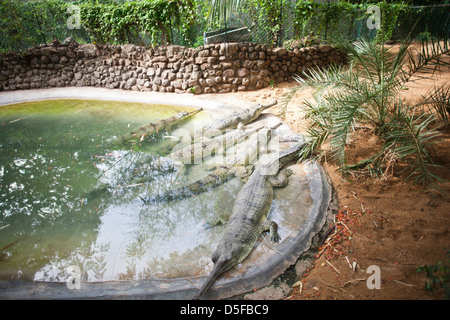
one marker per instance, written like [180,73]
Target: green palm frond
[407,133]
[320,78]
[428,58]
[344,120]
[317,78]
[438,101]
[319,129]
[368,57]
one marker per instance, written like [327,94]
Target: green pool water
[56,159]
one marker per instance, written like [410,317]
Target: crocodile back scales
[254,201]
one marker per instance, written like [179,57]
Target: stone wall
[215,68]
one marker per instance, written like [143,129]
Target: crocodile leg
[281,179]
[220,219]
[272,227]
[243,172]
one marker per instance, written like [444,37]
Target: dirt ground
[382,222]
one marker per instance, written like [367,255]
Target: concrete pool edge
[94,93]
[179,288]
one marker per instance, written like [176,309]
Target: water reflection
[60,206]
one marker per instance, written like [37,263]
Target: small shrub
[438,276]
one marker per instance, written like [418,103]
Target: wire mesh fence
[279,24]
[423,22]
[23,25]
[283,26]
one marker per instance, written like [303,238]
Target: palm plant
[439,101]
[367,92]
[408,135]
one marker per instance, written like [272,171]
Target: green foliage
[408,135]
[336,19]
[112,23]
[31,22]
[24,24]
[323,17]
[308,41]
[424,36]
[267,18]
[389,19]
[438,100]
[366,93]
[438,275]
[221,10]
[272,83]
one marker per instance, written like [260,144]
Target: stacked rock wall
[214,68]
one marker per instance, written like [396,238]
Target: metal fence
[280,26]
[247,24]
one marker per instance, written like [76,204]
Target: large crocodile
[232,166]
[236,119]
[249,216]
[206,147]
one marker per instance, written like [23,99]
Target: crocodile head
[224,258]
[260,108]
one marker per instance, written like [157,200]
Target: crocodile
[152,128]
[207,147]
[236,119]
[235,165]
[176,161]
[198,152]
[249,216]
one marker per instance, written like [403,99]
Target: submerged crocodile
[234,165]
[152,128]
[249,216]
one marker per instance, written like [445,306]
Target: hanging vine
[115,23]
[24,24]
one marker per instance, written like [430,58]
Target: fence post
[326,21]
[280,29]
